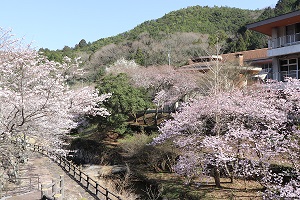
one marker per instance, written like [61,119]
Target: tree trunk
[135,117]
[229,174]
[217,177]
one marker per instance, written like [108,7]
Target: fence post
[97,188]
[42,191]
[45,190]
[87,182]
[38,178]
[61,185]
[54,187]
[80,176]
[60,160]
[74,173]
[106,193]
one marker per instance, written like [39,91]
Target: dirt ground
[47,170]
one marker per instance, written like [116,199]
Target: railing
[27,184]
[284,41]
[280,76]
[285,74]
[94,188]
[54,190]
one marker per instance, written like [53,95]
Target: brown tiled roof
[252,55]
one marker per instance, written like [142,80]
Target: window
[293,33]
[289,68]
[267,70]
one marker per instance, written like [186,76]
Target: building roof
[201,63]
[248,56]
[266,26]
[257,56]
[199,66]
[206,58]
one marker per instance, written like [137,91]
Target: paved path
[35,195]
[46,169]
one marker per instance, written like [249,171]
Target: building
[253,62]
[283,44]
[201,63]
[261,64]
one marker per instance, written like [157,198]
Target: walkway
[46,169]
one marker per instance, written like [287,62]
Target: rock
[117,169]
[105,170]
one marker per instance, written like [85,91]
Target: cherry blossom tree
[166,84]
[255,129]
[35,100]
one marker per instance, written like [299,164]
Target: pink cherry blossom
[241,132]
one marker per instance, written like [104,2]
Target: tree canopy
[241,133]
[126,101]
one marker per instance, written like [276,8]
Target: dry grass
[172,187]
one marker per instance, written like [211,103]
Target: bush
[158,158]
[134,144]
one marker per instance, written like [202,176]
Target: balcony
[283,41]
[284,45]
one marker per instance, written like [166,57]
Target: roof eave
[265,26]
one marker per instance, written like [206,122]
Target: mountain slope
[177,36]
[197,19]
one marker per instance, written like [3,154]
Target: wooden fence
[92,186]
[26,184]
[54,190]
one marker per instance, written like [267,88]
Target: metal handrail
[283,41]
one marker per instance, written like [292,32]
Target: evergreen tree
[285,6]
[139,57]
[124,103]
[82,43]
[267,13]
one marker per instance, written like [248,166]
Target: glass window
[297,28]
[289,68]
[284,68]
[283,62]
[290,30]
[292,61]
[292,67]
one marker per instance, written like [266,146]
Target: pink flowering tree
[35,101]
[35,98]
[166,84]
[240,134]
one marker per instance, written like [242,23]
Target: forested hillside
[176,36]
[221,139]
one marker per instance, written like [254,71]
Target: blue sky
[54,24]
